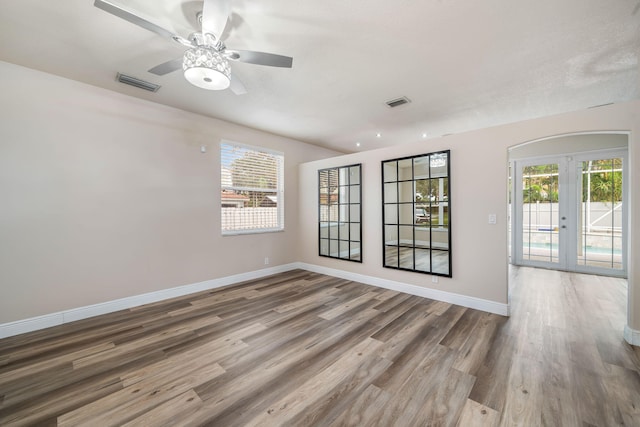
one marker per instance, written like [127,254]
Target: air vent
[132,81]
[601,105]
[398,102]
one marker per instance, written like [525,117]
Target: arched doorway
[567,203]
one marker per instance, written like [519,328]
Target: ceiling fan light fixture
[206,68]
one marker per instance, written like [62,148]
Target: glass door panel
[600,214]
[540,213]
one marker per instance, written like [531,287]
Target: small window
[252,190]
[340,213]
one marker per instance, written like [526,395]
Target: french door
[569,212]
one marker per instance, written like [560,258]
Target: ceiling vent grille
[601,105]
[398,102]
[132,81]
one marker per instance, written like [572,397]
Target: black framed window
[340,213]
[417,213]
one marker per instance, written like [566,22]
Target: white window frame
[279,190]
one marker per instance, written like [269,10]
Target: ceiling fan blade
[167,67]
[260,58]
[127,15]
[237,86]
[214,16]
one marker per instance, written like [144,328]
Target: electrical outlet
[266,260]
[492,219]
[434,279]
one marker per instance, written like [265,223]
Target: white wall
[479,162]
[104,196]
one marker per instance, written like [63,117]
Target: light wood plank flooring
[304,349]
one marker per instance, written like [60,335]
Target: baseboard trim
[632,336]
[74,314]
[55,319]
[457,299]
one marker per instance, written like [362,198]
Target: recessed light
[424,135]
[378,135]
[357,144]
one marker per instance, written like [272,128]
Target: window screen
[252,190]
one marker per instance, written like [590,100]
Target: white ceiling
[464,64]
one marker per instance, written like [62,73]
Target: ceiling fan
[206,61]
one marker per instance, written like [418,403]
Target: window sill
[257,231]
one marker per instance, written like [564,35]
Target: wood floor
[305,349]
